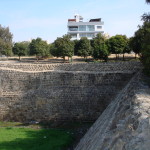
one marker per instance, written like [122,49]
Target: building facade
[78,29]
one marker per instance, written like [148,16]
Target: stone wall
[28,92]
[125,124]
[113,66]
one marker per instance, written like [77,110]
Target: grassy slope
[33,139]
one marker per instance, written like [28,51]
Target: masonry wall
[35,94]
[100,67]
[125,124]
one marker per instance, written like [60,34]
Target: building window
[82,35]
[99,27]
[82,28]
[73,28]
[90,27]
[90,35]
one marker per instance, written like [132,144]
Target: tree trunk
[64,59]
[71,60]
[68,58]
[19,58]
[123,57]
[106,59]
[135,55]
[86,58]
[37,58]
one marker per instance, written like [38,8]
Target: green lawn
[33,139]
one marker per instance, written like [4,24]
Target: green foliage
[63,47]
[100,48]
[21,49]
[85,48]
[137,40]
[5,41]
[39,48]
[127,48]
[76,47]
[117,44]
[33,139]
[54,51]
[140,44]
[145,54]
[146,17]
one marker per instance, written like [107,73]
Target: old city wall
[60,92]
[100,67]
[125,123]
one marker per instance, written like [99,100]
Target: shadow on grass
[33,139]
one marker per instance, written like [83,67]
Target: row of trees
[98,48]
[36,47]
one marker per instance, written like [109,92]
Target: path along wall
[55,92]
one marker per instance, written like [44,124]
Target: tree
[127,48]
[21,48]
[5,41]
[39,48]
[84,47]
[100,48]
[117,44]
[54,51]
[146,17]
[141,43]
[135,44]
[76,47]
[63,47]
[145,52]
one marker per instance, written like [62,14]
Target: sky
[47,19]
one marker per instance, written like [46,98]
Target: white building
[77,28]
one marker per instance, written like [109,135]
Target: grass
[41,136]
[33,139]
[9,124]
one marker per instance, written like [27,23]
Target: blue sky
[28,19]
